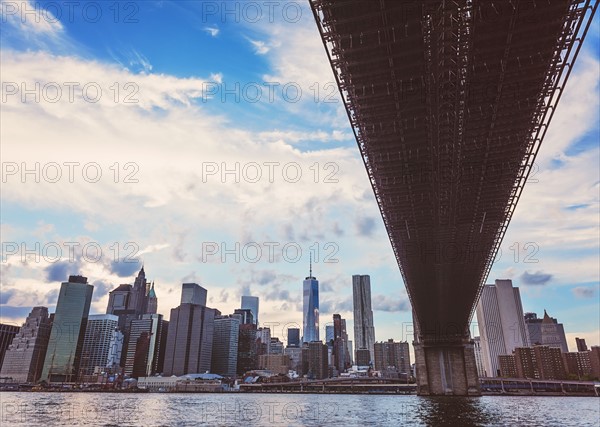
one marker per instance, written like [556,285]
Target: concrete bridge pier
[446,369]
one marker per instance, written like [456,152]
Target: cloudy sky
[208,141]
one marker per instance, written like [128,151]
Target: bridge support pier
[446,369]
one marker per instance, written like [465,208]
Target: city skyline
[171,170]
[194,292]
[555,270]
[201,340]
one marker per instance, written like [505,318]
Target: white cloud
[169,135]
[26,22]
[212,31]
[139,60]
[260,47]
[558,210]
[30,18]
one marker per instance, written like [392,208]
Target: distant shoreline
[142,391]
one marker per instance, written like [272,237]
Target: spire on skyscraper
[310,275]
[547,319]
[151,293]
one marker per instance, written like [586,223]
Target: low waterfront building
[183,383]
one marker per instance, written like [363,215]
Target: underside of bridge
[449,102]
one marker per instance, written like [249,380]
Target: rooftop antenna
[310,275]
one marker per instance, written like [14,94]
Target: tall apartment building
[364,331]
[538,362]
[102,343]
[595,361]
[578,364]
[392,358]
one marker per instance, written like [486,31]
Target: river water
[121,409]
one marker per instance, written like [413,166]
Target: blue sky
[169,120]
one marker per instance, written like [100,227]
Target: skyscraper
[293,337]
[191,330]
[132,300]
[581,345]
[24,358]
[102,343]
[152,301]
[251,303]
[317,360]
[478,356]
[501,323]
[246,316]
[364,331]
[247,355]
[139,293]
[310,308]
[545,331]
[131,303]
[225,345]
[68,330]
[329,335]
[340,353]
[192,293]
[120,304]
[263,341]
[150,332]
[553,333]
